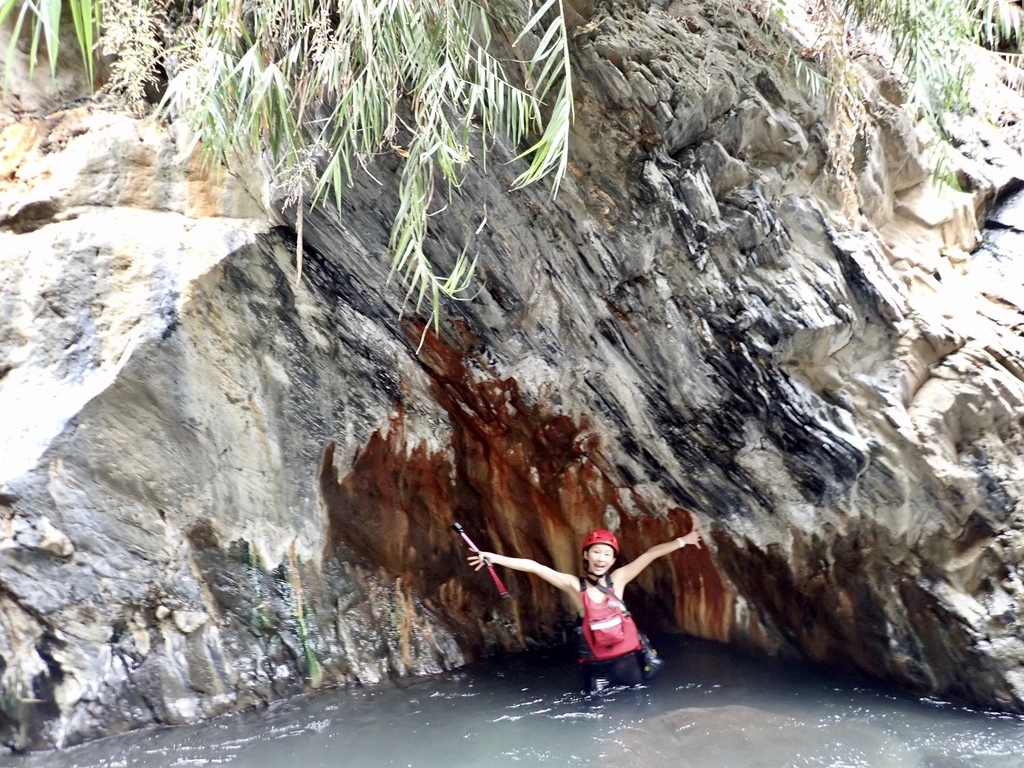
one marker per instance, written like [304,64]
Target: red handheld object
[469,542]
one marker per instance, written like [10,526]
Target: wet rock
[41,536]
[745,737]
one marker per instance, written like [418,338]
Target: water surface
[712,707]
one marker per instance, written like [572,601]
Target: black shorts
[622,670]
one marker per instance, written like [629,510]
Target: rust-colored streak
[831,613]
[261,430]
[684,590]
[524,482]
[386,508]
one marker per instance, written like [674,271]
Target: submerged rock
[741,737]
[220,485]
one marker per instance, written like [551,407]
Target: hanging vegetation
[323,86]
[932,46]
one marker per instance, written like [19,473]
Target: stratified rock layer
[219,485]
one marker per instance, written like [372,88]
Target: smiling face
[599,559]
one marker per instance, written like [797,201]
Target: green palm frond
[930,41]
[552,52]
[347,80]
[43,19]
[1000,24]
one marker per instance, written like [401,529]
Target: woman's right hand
[478,560]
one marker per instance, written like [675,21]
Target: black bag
[652,660]
[583,650]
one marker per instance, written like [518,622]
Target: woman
[611,635]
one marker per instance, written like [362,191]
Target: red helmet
[601,537]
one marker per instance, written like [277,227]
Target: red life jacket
[608,628]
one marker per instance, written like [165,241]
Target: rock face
[219,486]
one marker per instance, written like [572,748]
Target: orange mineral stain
[523,481]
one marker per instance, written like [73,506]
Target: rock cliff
[220,485]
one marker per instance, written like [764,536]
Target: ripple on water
[710,708]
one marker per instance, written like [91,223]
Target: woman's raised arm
[622,576]
[564,581]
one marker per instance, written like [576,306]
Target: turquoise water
[712,707]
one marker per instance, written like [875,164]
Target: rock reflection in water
[711,708]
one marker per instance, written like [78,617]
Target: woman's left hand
[692,538]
